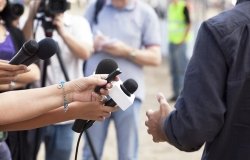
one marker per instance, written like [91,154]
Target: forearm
[55,116]
[150,56]
[28,104]
[77,110]
[79,49]
[28,29]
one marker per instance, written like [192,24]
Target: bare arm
[22,105]
[77,110]
[78,47]
[149,56]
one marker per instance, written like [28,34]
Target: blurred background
[157,80]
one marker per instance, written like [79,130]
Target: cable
[77,145]
[90,145]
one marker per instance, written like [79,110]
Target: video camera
[13,11]
[16,9]
[47,11]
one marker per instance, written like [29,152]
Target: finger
[156,140]
[6,80]
[149,112]
[106,114]
[148,130]
[97,80]
[161,98]
[104,91]
[101,118]
[163,103]
[110,109]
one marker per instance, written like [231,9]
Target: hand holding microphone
[106,66]
[120,93]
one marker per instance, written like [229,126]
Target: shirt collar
[130,6]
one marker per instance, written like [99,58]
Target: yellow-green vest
[176,22]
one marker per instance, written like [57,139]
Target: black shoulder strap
[98,6]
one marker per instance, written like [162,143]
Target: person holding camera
[11,40]
[74,38]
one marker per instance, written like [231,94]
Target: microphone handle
[82,125]
[79,125]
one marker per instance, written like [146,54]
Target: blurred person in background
[178,24]
[213,107]
[74,38]
[123,33]
[11,40]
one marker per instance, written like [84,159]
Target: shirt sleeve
[151,31]
[200,109]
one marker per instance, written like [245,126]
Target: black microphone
[122,94]
[32,51]
[28,49]
[106,66]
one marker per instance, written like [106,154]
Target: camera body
[47,11]
[12,11]
[16,9]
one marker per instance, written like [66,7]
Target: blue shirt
[136,25]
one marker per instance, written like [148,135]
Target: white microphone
[121,94]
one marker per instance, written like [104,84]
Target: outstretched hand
[83,88]
[157,118]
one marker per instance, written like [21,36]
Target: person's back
[213,108]
[231,31]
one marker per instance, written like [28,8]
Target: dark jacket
[214,106]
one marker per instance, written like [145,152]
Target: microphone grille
[47,48]
[131,85]
[106,66]
[31,47]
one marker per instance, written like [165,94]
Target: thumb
[149,112]
[164,106]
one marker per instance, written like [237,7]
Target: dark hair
[11,12]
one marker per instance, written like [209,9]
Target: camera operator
[74,38]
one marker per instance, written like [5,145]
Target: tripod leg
[92,148]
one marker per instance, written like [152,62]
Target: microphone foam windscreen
[31,47]
[47,48]
[106,66]
[131,85]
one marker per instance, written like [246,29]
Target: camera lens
[17,9]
